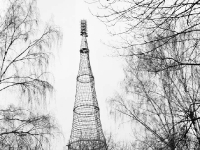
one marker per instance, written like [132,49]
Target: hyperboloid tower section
[86,131]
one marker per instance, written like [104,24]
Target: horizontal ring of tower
[96,144]
[81,127]
[86,110]
[85,78]
[84,50]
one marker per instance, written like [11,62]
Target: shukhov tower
[86,131]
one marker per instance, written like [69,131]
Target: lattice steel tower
[86,131]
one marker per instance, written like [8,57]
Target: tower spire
[84,44]
[86,133]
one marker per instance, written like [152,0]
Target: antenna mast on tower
[84,28]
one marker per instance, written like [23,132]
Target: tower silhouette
[86,133]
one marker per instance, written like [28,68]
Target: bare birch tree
[160,43]
[142,23]
[25,49]
[22,129]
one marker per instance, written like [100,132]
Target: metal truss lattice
[86,131]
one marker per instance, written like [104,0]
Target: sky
[107,69]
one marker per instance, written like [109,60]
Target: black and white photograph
[99,74]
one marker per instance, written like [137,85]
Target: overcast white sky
[107,70]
